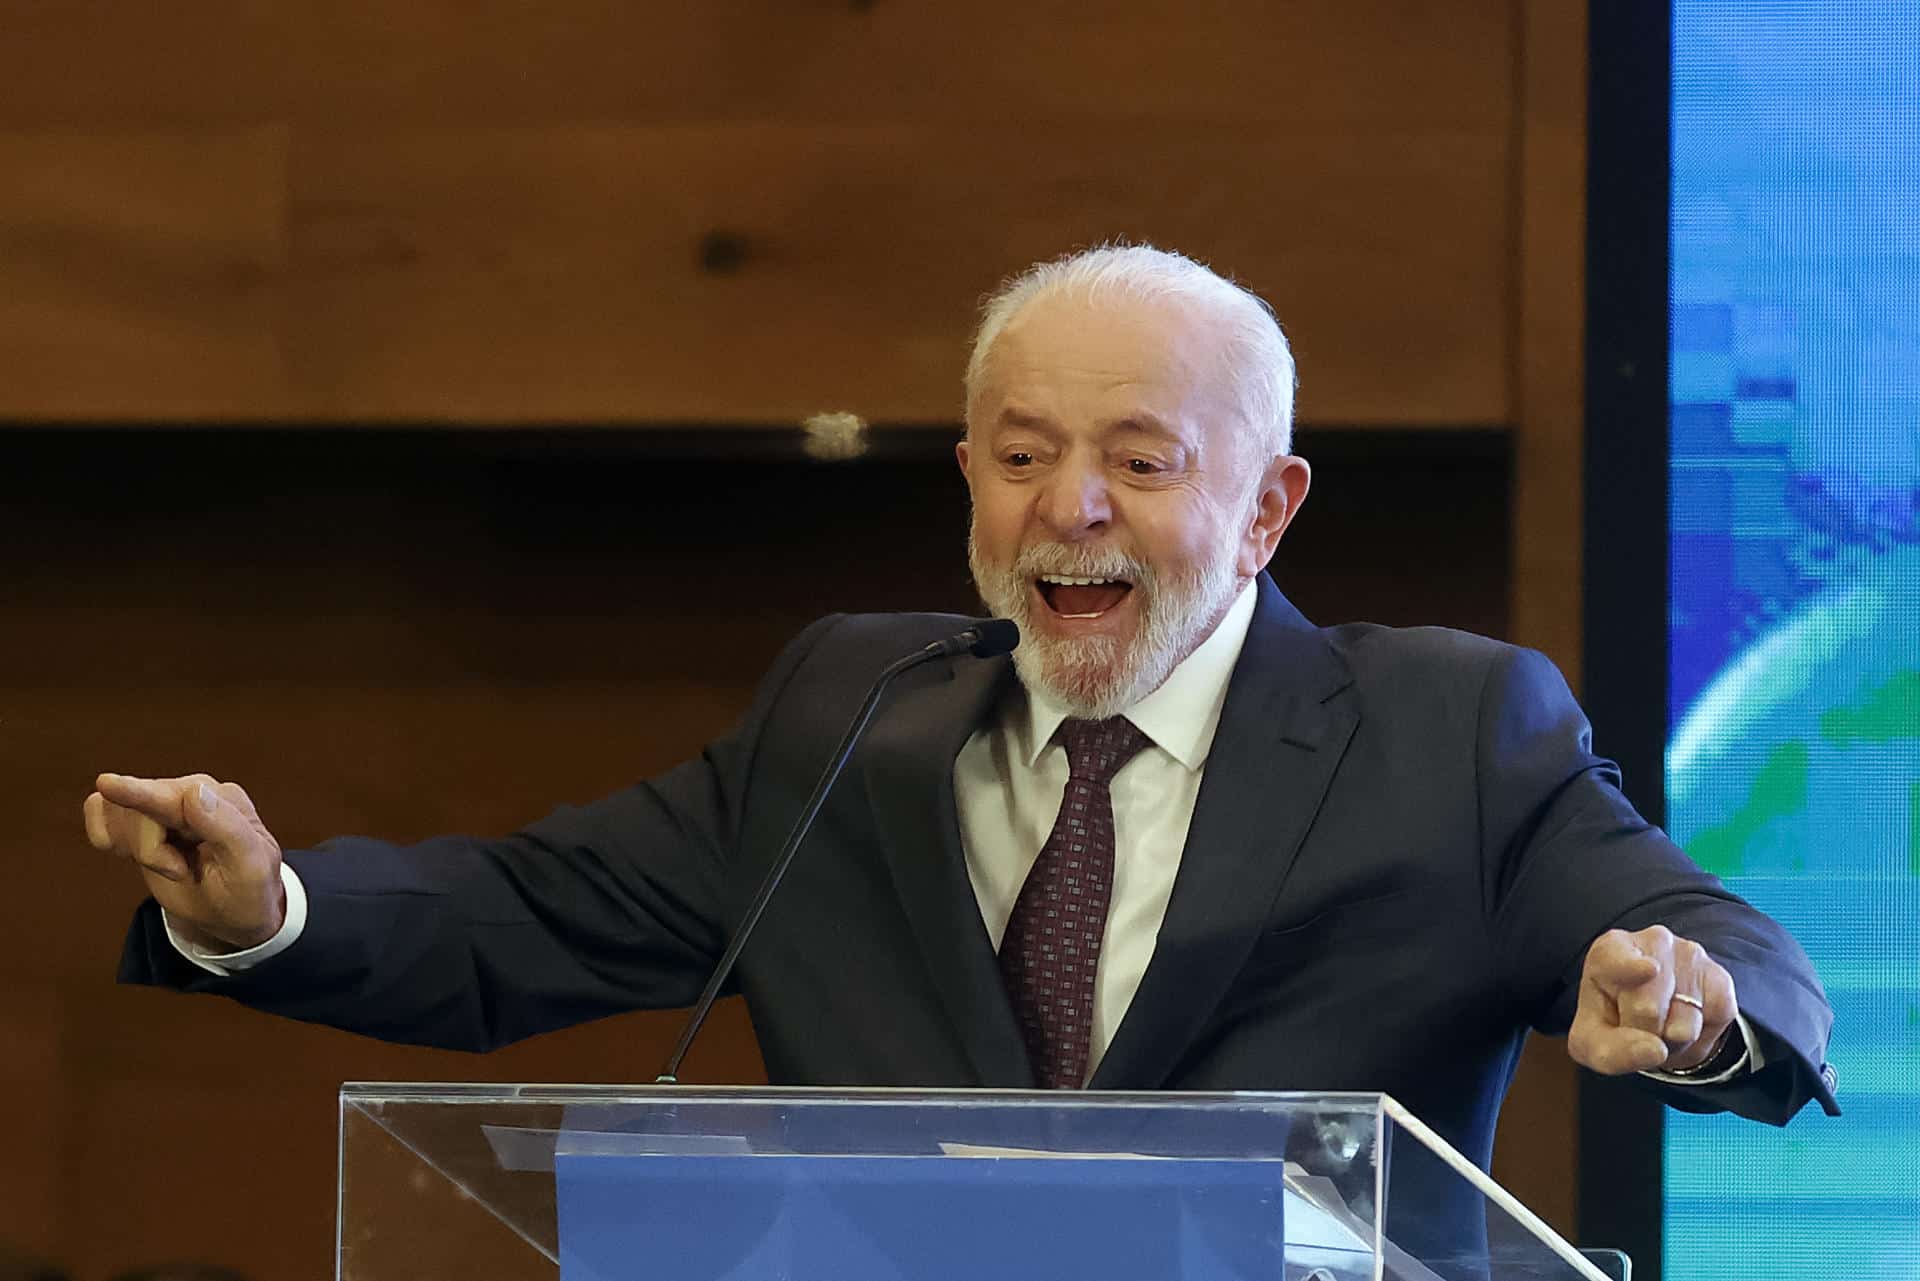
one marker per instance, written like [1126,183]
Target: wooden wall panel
[863,251]
[141,273]
[1550,351]
[1376,65]
[746,212]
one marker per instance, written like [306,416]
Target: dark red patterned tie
[1052,944]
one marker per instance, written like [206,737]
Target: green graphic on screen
[1793,761]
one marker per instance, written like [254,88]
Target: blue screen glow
[1793,761]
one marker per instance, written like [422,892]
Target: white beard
[1098,676]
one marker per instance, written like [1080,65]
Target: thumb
[212,818]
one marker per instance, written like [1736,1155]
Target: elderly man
[1272,855]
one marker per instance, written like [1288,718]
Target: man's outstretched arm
[1609,933]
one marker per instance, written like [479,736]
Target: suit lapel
[1281,735]
[908,767]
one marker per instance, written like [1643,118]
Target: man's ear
[961,452]
[1283,488]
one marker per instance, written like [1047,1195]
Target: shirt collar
[1182,714]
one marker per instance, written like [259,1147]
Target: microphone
[988,638]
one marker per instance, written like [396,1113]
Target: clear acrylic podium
[594,1183]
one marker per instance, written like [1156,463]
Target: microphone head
[995,637]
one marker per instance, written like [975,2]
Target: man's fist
[1650,1002]
[203,851]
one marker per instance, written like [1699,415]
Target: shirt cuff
[1749,1061]
[225,964]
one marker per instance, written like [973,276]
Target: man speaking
[1182,839]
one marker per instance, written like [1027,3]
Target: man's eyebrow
[1013,416]
[1142,421]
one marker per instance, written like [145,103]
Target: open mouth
[1069,596]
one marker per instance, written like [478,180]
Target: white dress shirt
[1009,779]
[1008,782]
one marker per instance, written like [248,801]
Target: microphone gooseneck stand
[988,639]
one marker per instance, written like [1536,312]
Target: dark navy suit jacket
[1402,848]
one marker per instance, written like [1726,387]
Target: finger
[93,812]
[130,833]
[241,802]
[190,805]
[1717,990]
[1616,963]
[158,798]
[1644,1005]
[1720,1008]
[139,838]
[133,835]
[1685,1024]
[1597,1040]
[215,818]
[1687,1010]
[1638,990]
[165,860]
[1615,1051]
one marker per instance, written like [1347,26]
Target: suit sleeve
[469,944]
[1566,858]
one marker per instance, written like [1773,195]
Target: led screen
[1793,757]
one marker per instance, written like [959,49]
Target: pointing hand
[202,850]
[1650,1001]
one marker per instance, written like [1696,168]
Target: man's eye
[1019,458]
[1142,466]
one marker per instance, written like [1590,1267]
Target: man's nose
[1076,502]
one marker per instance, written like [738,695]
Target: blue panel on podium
[916,1218]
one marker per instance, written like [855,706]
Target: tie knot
[1097,749]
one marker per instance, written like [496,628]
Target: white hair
[1252,344]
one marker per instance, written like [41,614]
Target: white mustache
[1080,562]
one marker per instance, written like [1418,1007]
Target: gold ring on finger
[1687,999]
